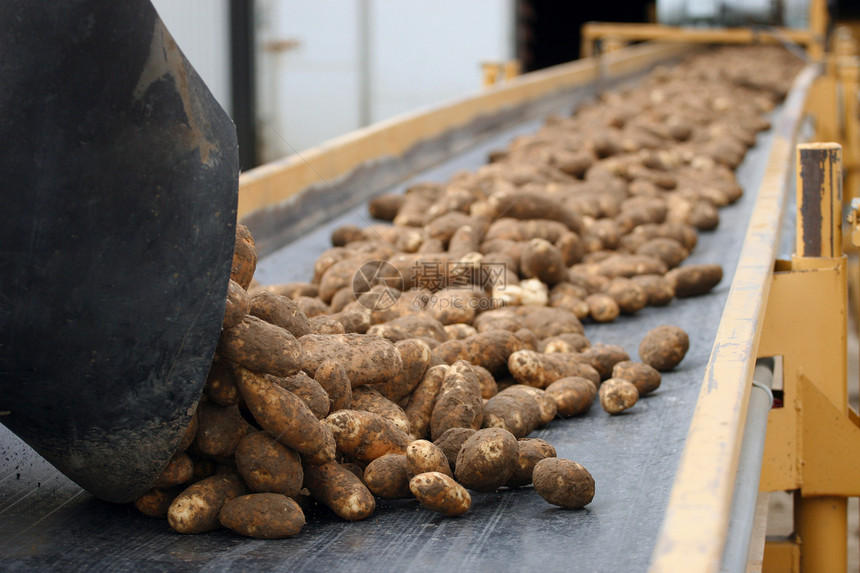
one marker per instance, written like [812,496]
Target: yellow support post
[490,72]
[821,521]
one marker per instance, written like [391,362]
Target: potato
[603,357]
[459,331]
[179,470]
[670,251]
[325,324]
[419,408]
[646,378]
[630,297]
[438,492]
[664,347]
[487,459]
[531,451]
[286,418]
[366,359]
[190,433]
[540,370]
[311,306]
[618,395]
[415,357]
[220,384]
[280,311]
[564,483]
[519,414]
[488,385]
[366,436]
[238,305]
[388,477]
[386,206]
[542,260]
[340,490]
[308,390]
[573,395]
[263,516]
[369,400]
[546,404]
[458,403]
[244,257]
[266,465]
[658,290]
[219,430]
[571,247]
[423,456]
[546,322]
[534,205]
[261,347]
[346,234]
[451,441]
[694,280]
[196,509]
[564,343]
[332,377]
[631,265]
[602,307]
[155,502]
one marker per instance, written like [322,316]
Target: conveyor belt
[49,523]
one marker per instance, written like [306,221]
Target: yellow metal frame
[614,36]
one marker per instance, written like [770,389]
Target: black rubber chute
[120,174]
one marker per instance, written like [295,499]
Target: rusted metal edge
[694,529]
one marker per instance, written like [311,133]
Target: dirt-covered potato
[540,370]
[670,251]
[308,390]
[263,516]
[388,477]
[519,414]
[629,296]
[369,400]
[386,206]
[546,405]
[603,357]
[325,324]
[266,465]
[487,459]
[658,290]
[664,347]
[415,356]
[563,482]
[280,311]
[602,307]
[220,384]
[694,280]
[419,408]
[618,395]
[238,305]
[366,436]
[564,343]
[531,451]
[366,359]
[459,403]
[179,470]
[244,257]
[196,509]
[261,347]
[489,388]
[332,376]
[451,441]
[286,418]
[573,395]
[155,502]
[646,378]
[340,490]
[439,492]
[423,456]
[542,260]
[219,430]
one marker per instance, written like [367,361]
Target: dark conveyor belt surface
[49,523]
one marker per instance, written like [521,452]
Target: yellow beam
[781,556]
[275,182]
[694,529]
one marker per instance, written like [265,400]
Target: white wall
[201,28]
[361,61]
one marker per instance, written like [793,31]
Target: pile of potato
[426,382]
